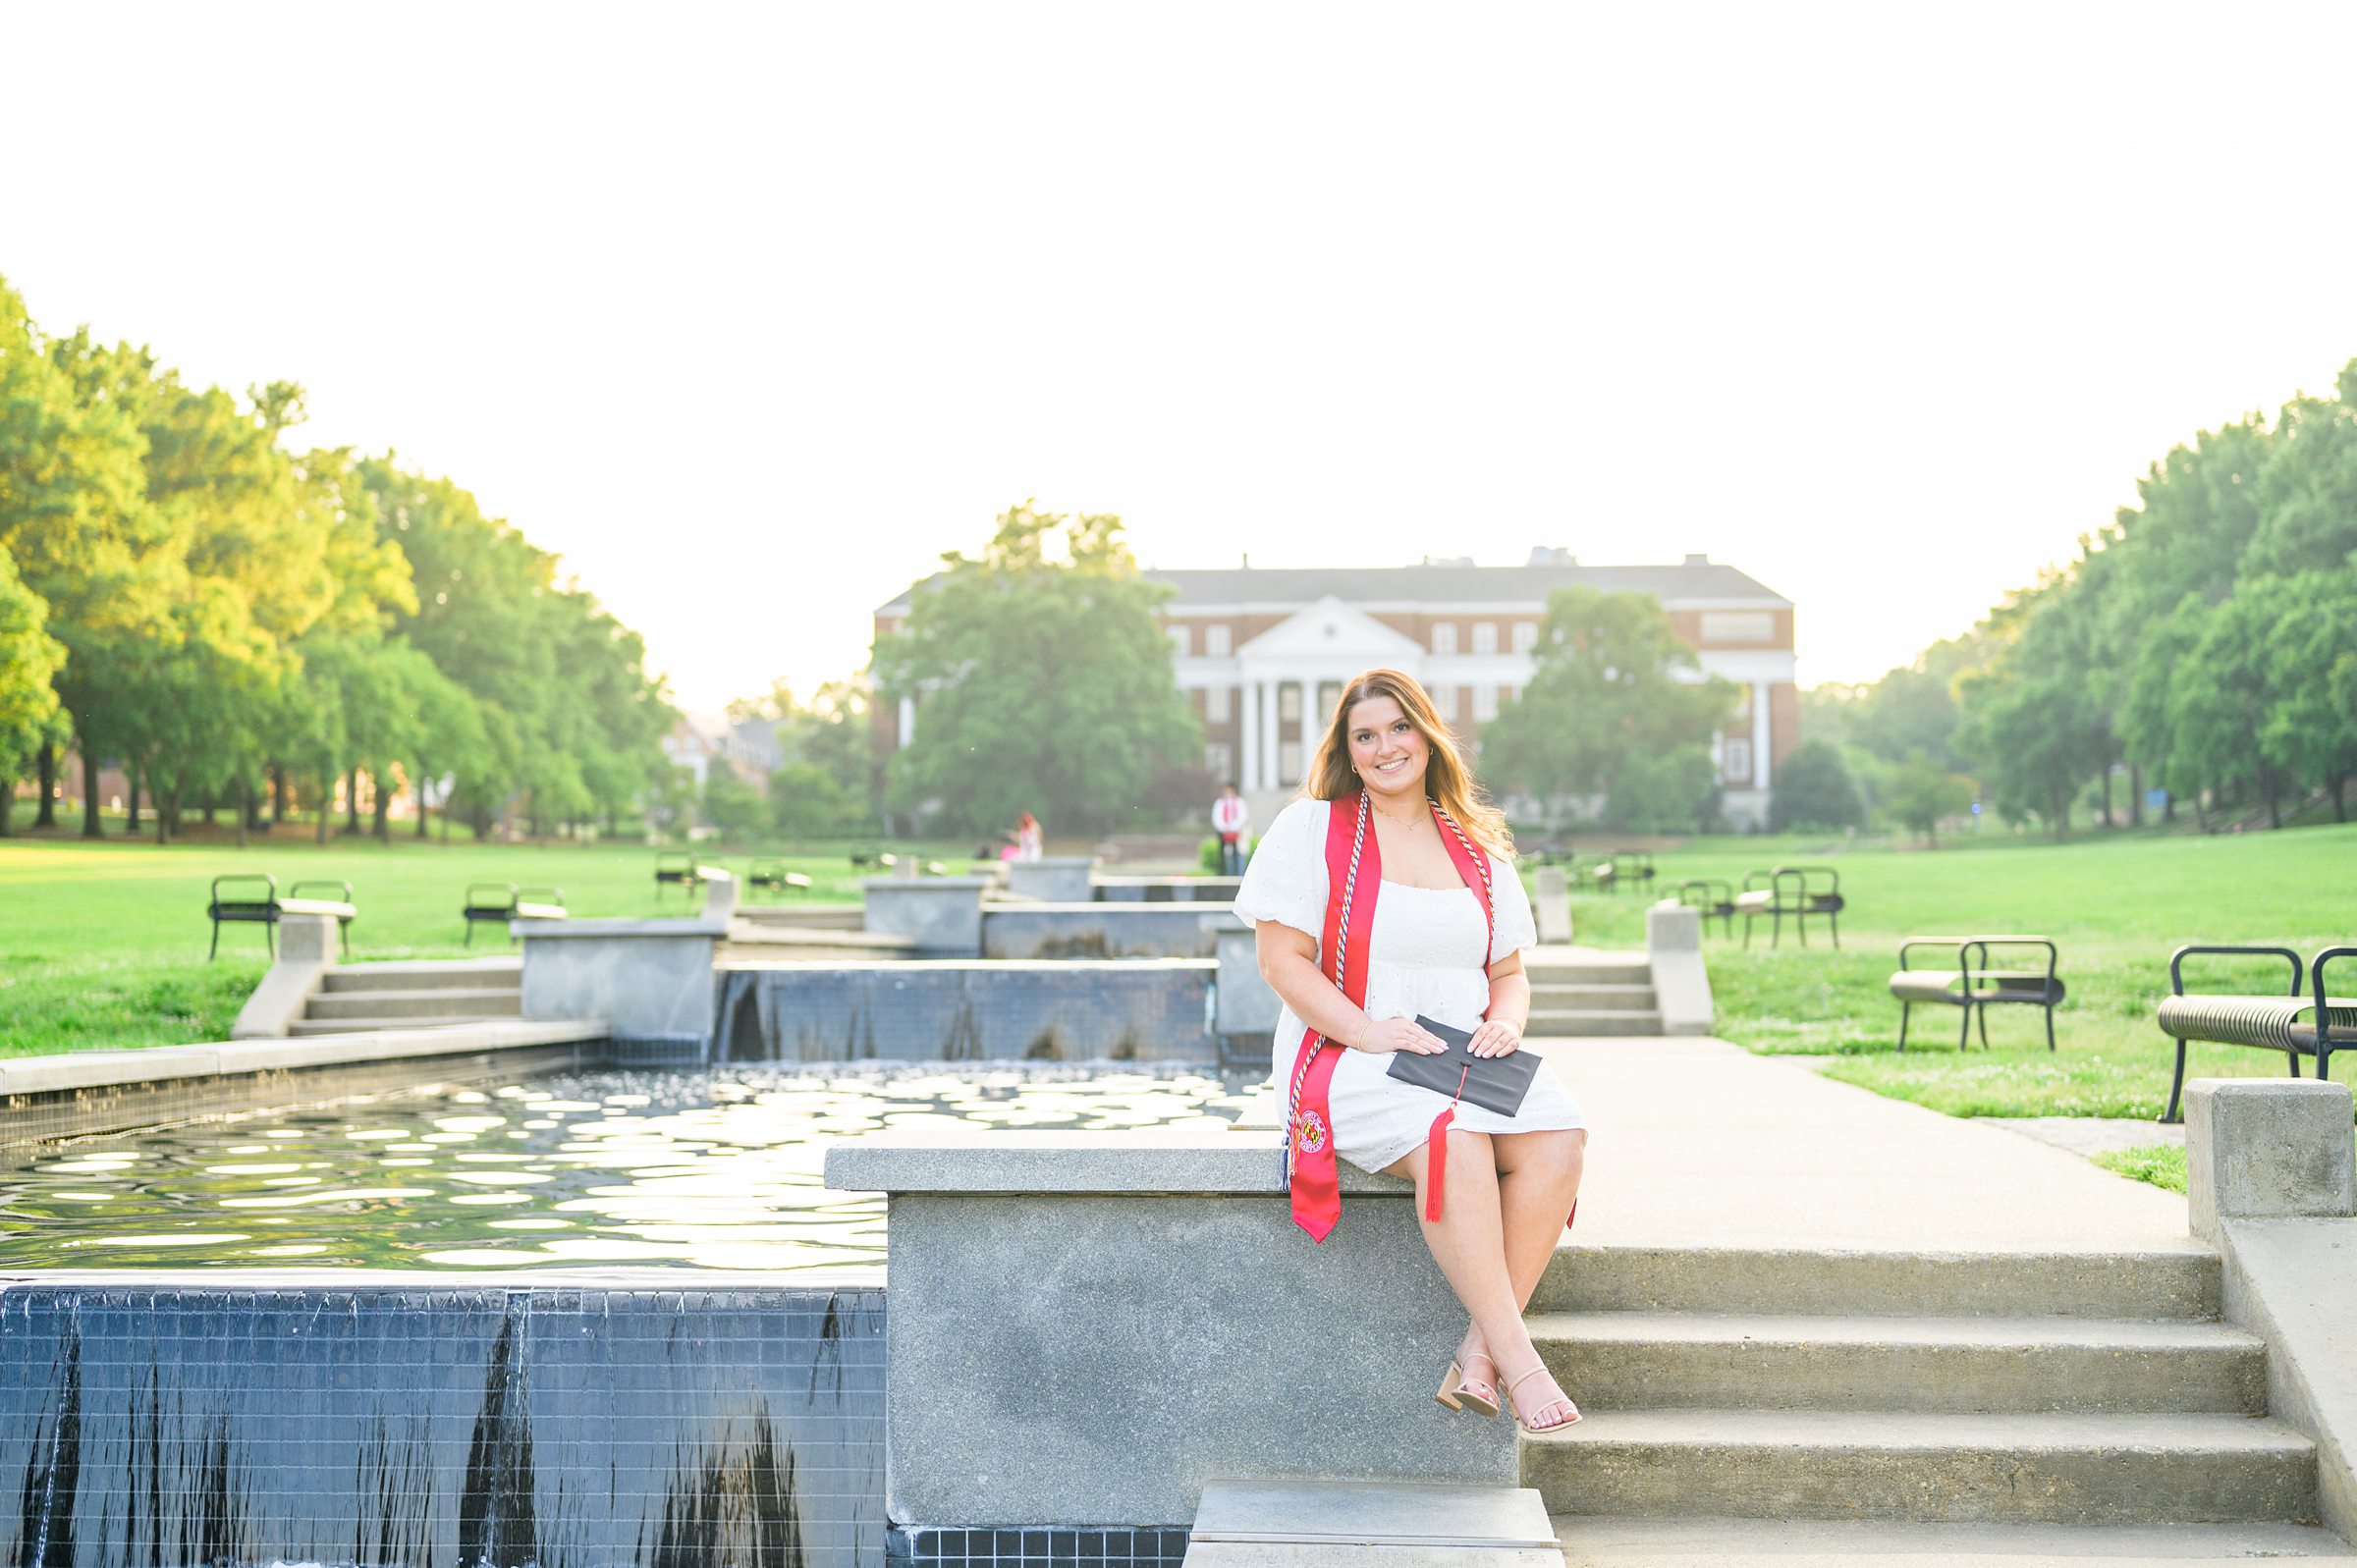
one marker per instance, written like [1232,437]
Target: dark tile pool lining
[687,1422]
[566,1426]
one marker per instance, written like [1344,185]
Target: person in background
[1030,843]
[1230,817]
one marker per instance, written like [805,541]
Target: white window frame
[1181,640]
[1444,702]
[1218,760]
[1526,636]
[1738,625]
[1485,636]
[1216,640]
[1218,704]
[1734,760]
[1444,636]
[1485,703]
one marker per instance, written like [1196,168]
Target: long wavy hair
[1448,780]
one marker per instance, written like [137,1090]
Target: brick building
[1264,653]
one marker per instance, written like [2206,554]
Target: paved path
[1700,1143]
[1697,1142]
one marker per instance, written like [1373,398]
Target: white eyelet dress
[1425,957]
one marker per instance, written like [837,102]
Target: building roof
[1697,579]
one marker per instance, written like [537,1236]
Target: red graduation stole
[1354,881]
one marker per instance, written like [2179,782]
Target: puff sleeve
[1286,879]
[1517,927]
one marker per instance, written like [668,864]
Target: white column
[1268,734]
[1247,739]
[1759,734]
[907,720]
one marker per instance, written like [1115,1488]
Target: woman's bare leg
[1468,1242]
[1538,1179]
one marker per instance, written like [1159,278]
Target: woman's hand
[1383,1035]
[1497,1037]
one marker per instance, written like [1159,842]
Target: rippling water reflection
[710,1169]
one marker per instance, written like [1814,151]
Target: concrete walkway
[1698,1142]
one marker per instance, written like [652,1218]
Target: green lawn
[2117,906]
[103,946]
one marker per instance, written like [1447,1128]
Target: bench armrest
[1984,943]
[342,888]
[2177,978]
[2316,971]
[269,881]
[555,896]
[1959,943]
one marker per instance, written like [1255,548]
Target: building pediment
[1331,632]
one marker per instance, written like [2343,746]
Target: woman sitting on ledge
[1390,812]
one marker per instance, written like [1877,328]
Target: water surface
[714,1168]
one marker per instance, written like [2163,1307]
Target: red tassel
[1438,1176]
[1436,1143]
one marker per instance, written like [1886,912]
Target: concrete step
[1851,1543]
[1652,1360]
[805,917]
[1369,1523]
[1927,1467]
[449,1003]
[1569,1022]
[469,974]
[1637,971]
[2125,1285]
[309,1028]
[1591,998]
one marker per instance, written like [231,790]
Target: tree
[1607,717]
[2034,723]
[805,801]
[733,806]
[2307,731]
[28,660]
[1041,685]
[1814,787]
[1921,796]
[76,519]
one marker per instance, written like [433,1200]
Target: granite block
[644,978]
[1056,878]
[1091,930]
[942,915]
[1070,1359]
[2268,1149]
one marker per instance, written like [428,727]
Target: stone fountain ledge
[100,1069]
[1091,1326]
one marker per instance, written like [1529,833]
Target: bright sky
[750,312]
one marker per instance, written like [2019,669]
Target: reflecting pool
[717,1169]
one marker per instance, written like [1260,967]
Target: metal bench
[873,860]
[1974,985]
[2304,1021]
[771,876]
[257,903]
[1715,900]
[679,868]
[503,901]
[1631,868]
[1795,890]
